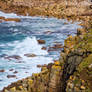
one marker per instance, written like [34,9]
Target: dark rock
[55,47]
[15,72]
[41,41]
[11,69]
[2,70]
[43,48]
[30,55]
[13,57]
[11,76]
[39,66]
[2,18]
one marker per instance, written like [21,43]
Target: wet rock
[2,18]
[30,55]
[13,57]
[58,46]
[26,72]
[11,76]
[11,69]
[3,55]
[41,41]
[39,66]
[12,19]
[65,23]
[47,32]
[15,72]
[2,70]
[43,48]
[55,47]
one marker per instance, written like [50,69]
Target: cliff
[73,71]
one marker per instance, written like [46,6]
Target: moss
[85,63]
[13,89]
[76,81]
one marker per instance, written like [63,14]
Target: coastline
[64,74]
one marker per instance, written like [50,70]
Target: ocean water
[19,38]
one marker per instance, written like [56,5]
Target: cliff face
[56,8]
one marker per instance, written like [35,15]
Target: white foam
[8,15]
[28,45]
[13,15]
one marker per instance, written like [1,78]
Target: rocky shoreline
[73,71]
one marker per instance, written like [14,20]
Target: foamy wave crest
[28,45]
[13,15]
[8,15]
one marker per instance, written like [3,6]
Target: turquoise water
[19,38]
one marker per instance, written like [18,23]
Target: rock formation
[73,71]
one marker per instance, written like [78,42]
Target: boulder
[41,41]
[43,48]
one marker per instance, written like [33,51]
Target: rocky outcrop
[77,9]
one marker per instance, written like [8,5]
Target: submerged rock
[11,69]
[11,76]
[30,55]
[15,72]
[13,57]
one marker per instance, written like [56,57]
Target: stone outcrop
[56,8]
